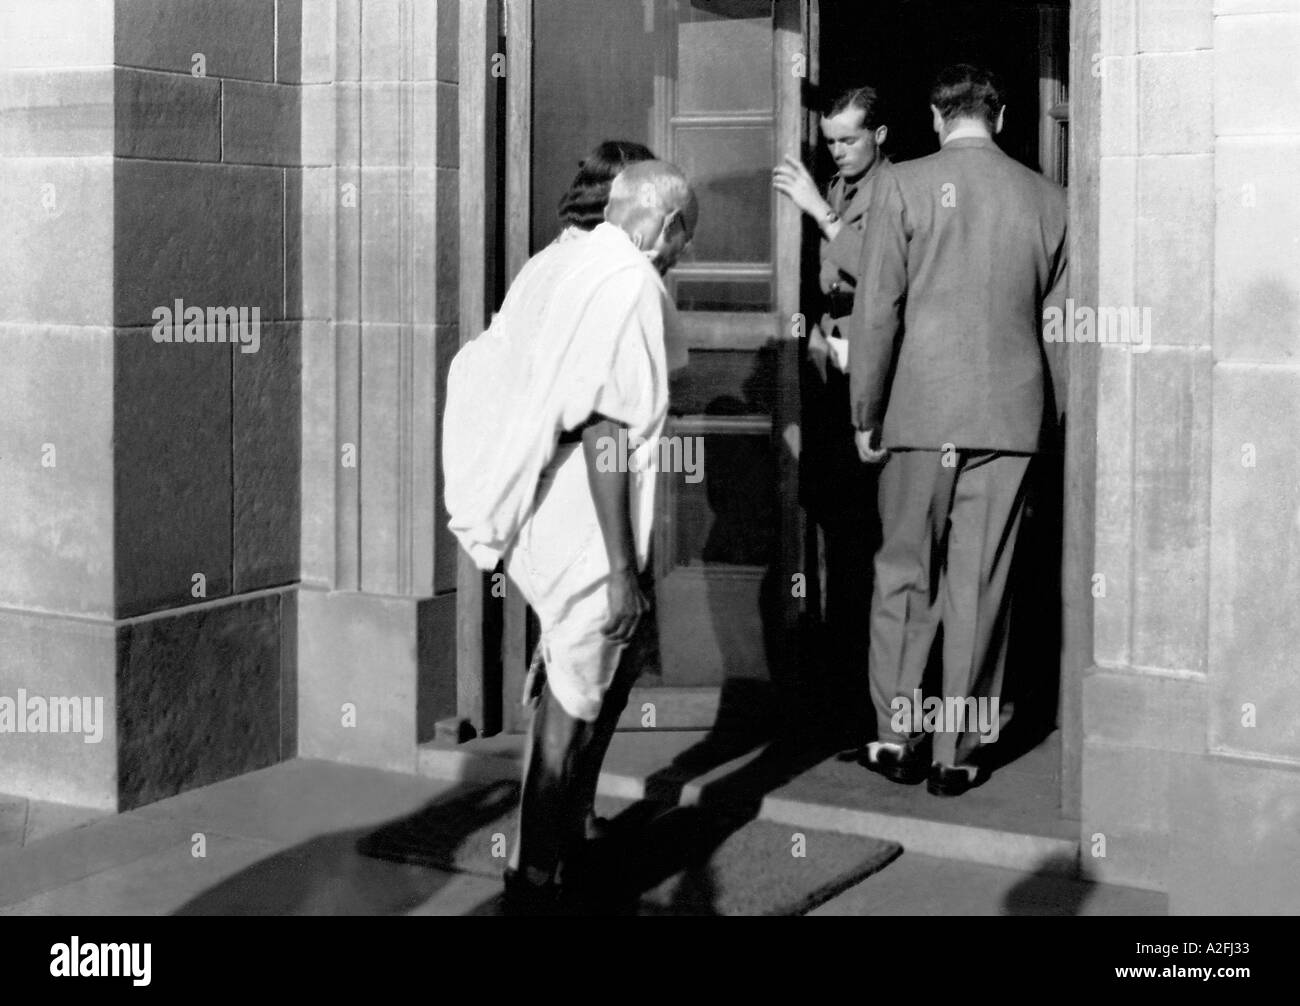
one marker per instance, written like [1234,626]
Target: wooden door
[715,86]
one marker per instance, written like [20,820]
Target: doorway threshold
[1012,821]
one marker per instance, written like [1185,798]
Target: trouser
[949,535]
[850,541]
[561,770]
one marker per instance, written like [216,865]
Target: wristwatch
[831,217]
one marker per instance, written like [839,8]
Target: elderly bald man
[579,352]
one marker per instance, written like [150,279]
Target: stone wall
[1191,716]
[150,155]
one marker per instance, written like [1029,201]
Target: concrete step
[1012,821]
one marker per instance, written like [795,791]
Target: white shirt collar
[967,133]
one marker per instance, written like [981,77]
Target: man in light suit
[950,388]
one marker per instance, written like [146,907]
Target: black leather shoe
[903,765]
[952,780]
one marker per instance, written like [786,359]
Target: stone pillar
[150,152]
[1183,102]
[379,240]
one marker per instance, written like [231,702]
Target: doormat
[665,860]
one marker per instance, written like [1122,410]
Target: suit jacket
[965,249]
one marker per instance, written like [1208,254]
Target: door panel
[698,82]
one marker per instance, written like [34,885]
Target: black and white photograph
[602,458]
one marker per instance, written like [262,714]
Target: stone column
[379,236]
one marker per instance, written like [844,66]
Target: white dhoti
[560,564]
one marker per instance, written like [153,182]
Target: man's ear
[671,217]
[937,120]
[997,126]
[882,134]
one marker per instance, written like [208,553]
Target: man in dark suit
[839,491]
[964,249]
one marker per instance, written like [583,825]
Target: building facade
[244,553]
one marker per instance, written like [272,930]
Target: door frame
[794,25]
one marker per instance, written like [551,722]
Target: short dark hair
[865,99]
[966,91]
[583,206]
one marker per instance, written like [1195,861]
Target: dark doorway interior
[898,48]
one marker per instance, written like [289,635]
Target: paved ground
[282,841]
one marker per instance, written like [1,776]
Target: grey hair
[656,187]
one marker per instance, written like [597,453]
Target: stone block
[288,41]
[198,697]
[172,474]
[319,128]
[358,675]
[1138,710]
[56,113]
[56,240]
[289,674]
[318,41]
[437,672]
[385,350]
[1256,74]
[1255,561]
[62,33]
[235,37]
[386,294]
[212,235]
[49,657]
[1125,802]
[320,203]
[1175,25]
[447,253]
[424,461]
[383,45]
[1119,21]
[1119,106]
[1171,508]
[433,225]
[320,452]
[347,27]
[347,485]
[437,124]
[56,541]
[293,208]
[445,547]
[1113,548]
[353,200]
[386,123]
[1257,250]
[1225,7]
[1175,247]
[267,431]
[1117,231]
[1184,125]
[168,116]
[1235,838]
[447,34]
[260,123]
[348,143]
